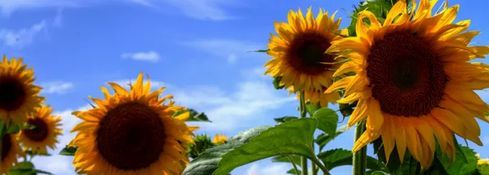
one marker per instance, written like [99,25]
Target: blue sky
[199,49]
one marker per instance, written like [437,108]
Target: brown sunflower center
[39,131]
[12,93]
[406,74]
[131,136]
[6,146]
[306,53]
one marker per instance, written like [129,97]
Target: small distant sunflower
[43,128]
[18,95]
[414,80]
[219,139]
[298,54]
[9,153]
[132,132]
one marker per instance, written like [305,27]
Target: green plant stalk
[303,115]
[360,157]
[316,161]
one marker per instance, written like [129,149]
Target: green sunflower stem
[303,115]
[360,157]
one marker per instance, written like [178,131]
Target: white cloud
[127,82]
[203,9]
[56,87]
[21,37]
[197,9]
[275,169]
[150,56]
[225,48]
[250,103]
[58,19]
[9,6]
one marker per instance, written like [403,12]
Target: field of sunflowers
[403,76]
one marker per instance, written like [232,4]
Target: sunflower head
[10,151]
[298,53]
[132,132]
[414,80]
[220,139]
[41,131]
[18,95]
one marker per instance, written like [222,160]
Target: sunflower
[298,54]
[43,128]
[132,132]
[9,152]
[220,139]
[18,95]
[414,80]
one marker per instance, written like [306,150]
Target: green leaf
[287,159]
[311,108]
[293,137]
[68,151]
[483,168]
[465,161]
[293,171]
[208,161]
[328,120]
[339,157]
[197,116]
[277,83]
[42,172]
[285,119]
[201,143]
[23,168]
[14,128]
[379,8]
[262,50]
[323,139]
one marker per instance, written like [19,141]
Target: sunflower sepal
[68,150]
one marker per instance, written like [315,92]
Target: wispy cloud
[9,6]
[252,101]
[197,9]
[150,56]
[57,87]
[231,50]
[22,37]
[203,9]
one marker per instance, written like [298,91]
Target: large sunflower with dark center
[9,152]
[137,133]
[18,95]
[42,131]
[298,54]
[415,81]
[131,136]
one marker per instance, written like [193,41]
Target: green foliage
[194,115]
[339,157]
[208,161]
[262,50]
[328,120]
[277,83]
[289,138]
[25,168]
[201,143]
[68,150]
[465,161]
[323,138]
[379,8]
[285,119]
[483,169]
